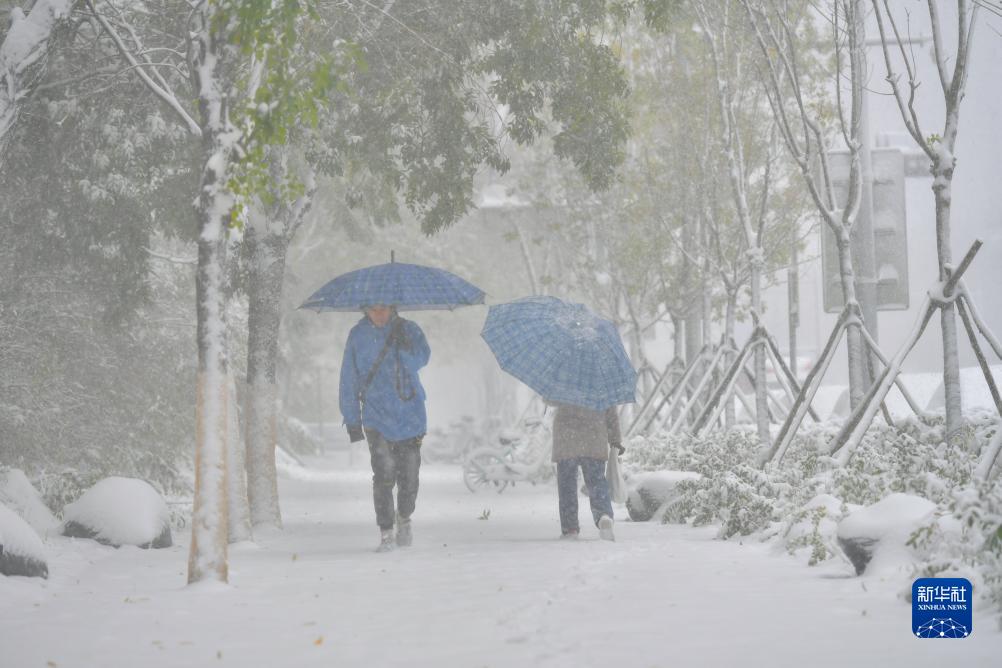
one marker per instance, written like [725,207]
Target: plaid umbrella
[563,351]
[410,287]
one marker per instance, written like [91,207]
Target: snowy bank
[21,550]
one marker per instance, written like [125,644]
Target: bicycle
[520,456]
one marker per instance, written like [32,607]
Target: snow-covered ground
[501,591]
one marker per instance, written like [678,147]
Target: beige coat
[582,432]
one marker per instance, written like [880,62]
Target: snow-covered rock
[21,550]
[876,537]
[120,511]
[18,494]
[647,492]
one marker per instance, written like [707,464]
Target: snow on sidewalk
[497,592]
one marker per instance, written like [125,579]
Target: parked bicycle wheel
[481,469]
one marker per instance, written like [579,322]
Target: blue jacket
[394,400]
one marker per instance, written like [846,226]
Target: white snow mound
[17,536]
[661,483]
[21,550]
[120,511]
[649,492]
[875,538]
[891,515]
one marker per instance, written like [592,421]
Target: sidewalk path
[472,592]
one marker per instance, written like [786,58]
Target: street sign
[889,230]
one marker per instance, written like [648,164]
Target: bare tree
[784,34]
[940,150]
[723,42]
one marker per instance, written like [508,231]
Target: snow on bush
[17,493]
[814,527]
[21,550]
[965,539]
[799,502]
[731,491]
[120,511]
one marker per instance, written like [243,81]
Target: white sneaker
[605,528]
[386,542]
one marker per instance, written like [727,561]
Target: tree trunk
[693,332]
[863,251]
[693,316]
[761,390]
[266,254]
[732,297]
[678,338]
[793,294]
[943,177]
[207,559]
[858,370]
[704,285]
[239,511]
[209,525]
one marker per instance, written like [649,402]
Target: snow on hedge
[814,526]
[120,511]
[18,494]
[953,529]
[21,550]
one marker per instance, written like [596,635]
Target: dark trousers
[567,490]
[393,463]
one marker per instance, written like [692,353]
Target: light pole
[861,238]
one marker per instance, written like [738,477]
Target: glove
[398,335]
[355,433]
[618,446]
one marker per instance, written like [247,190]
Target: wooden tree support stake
[675,395]
[730,378]
[982,362]
[811,384]
[672,366]
[707,374]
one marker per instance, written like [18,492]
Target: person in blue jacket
[382,401]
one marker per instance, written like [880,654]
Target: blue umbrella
[410,287]
[563,351]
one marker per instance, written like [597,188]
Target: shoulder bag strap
[372,371]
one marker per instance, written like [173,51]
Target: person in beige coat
[581,439]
